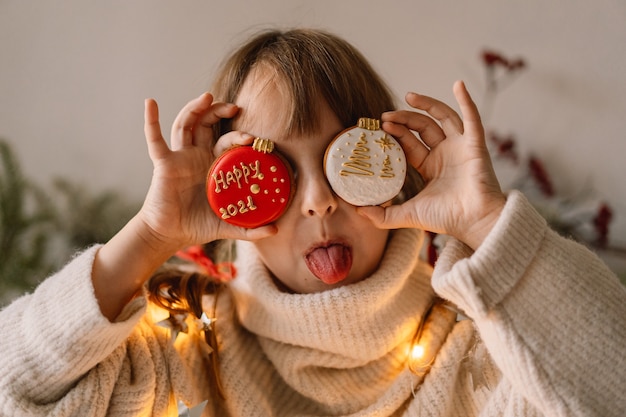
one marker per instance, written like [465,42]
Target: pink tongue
[331,264]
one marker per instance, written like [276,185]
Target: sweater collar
[362,321]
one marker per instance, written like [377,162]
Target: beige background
[74,75]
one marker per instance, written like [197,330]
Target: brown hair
[311,63]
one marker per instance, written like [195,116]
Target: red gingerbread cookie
[250,186]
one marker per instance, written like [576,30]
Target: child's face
[321,242]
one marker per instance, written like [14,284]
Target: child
[331,312]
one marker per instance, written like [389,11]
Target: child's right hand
[176,212]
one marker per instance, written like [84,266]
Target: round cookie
[364,165]
[250,186]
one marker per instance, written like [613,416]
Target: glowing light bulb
[418,363]
[417,352]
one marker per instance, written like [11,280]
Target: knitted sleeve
[59,356]
[549,311]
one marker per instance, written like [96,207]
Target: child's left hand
[462,197]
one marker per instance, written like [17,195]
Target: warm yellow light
[417,352]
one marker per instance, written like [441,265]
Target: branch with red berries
[500,72]
[584,217]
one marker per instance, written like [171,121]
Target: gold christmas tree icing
[357,164]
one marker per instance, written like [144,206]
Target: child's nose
[318,198]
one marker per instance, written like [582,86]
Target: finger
[415,151]
[218,111]
[231,139]
[444,114]
[391,217]
[186,120]
[203,134]
[429,131]
[259,232]
[471,117]
[157,147]
[229,231]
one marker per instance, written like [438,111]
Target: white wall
[73,75]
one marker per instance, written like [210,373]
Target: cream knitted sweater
[546,337]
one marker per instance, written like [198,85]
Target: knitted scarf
[327,346]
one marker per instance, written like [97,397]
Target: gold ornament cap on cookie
[364,165]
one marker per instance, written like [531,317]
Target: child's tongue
[330,264]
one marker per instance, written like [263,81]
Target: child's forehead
[265,107]
[268,108]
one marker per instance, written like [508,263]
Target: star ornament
[176,323]
[384,143]
[206,323]
[196,411]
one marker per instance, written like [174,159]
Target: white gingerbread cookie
[364,165]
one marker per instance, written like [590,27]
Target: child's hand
[462,197]
[176,211]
